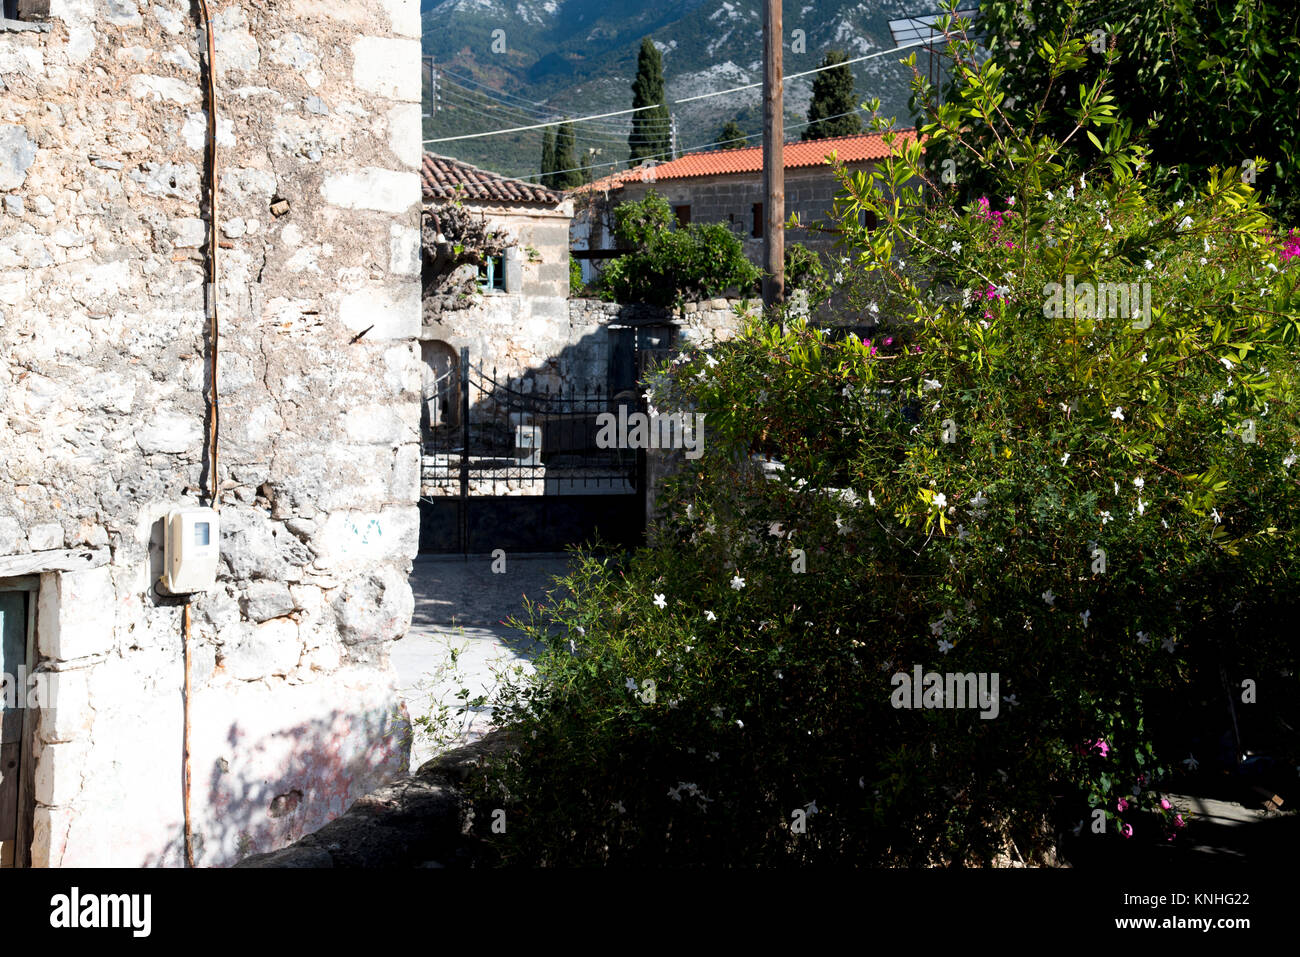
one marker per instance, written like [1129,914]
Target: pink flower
[1164,804]
[1100,745]
[1292,248]
[1127,830]
[1178,821]
[1121,805]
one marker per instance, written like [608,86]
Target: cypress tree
[651,137]
[731,136]
[548,157]
[832,95]
[565,159]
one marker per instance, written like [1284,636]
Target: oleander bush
[1023,475]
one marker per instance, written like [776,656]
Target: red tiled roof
[447,178]
[861,147]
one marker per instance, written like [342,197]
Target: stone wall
[103,373]
[527,342]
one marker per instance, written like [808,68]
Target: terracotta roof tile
[446,178]
[849,149]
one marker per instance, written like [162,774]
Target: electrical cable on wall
[214,329]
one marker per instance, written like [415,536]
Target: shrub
[668,266]
[1093,507]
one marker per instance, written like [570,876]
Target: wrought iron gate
[506,466]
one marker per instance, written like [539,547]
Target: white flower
[775,529]
[1184,223]
[871,498]
[1179,204]
[1217,398]
[810,808]
[660,601]
[1288,461]
[1149,264]
[1085,615]
[630,684]
[1214,514]
[1065,459]
[573,649]
[737,582]
[1108,227]
[936,627]
[1048,194]
[979,500]
[740,724]
[1143,639]
[1142,506]
[1010,699]
[1116,487]
[956,247]
[1069,193]
[1105,517]
[1117,413]
[710,361]
[945,645]
[931,384]
[940,500]
[1049,597]
[1142,358]
[1168,645]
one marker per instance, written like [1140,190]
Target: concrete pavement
[459,650]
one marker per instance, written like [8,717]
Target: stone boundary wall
[103,374]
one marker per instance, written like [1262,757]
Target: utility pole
[433,87]
[773,158]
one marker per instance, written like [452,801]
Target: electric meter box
[191,550]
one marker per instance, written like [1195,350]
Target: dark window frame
[25,11]
[759,228]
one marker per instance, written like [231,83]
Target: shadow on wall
[265,796]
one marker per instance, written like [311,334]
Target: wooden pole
[773,158]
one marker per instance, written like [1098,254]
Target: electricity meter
[191,550]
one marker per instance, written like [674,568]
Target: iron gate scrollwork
[510,466]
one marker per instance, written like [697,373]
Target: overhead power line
[688,99]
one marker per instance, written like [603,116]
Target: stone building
[516,317]
[105,407]
[726,186]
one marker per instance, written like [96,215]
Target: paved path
[458,641]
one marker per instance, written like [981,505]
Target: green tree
[832,111]
[566,174]
[548,158]
[731,136]
[1216,81]
[667,266]
[651,135]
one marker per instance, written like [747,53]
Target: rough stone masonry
[103,372]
